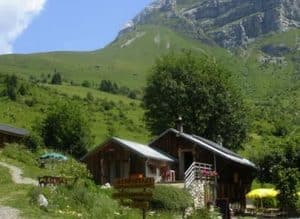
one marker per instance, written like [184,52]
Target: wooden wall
[5,138]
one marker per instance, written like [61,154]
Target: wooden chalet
[169,158]
[235,173]
[9,134]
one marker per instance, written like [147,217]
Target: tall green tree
[66,128]
[199,90]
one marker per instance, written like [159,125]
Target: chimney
[179,124]
[220,140]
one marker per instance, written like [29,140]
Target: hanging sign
[138,190]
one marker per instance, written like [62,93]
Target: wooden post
[144,210]
[144,213]
[215,186]
[146,168]
[181,163]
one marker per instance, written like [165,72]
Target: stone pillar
[197,192]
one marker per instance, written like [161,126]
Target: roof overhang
[12,131]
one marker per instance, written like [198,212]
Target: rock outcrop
[229,23]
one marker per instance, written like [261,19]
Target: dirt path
[16,175]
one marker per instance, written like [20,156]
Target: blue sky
[69,24]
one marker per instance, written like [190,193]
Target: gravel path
[9,213]
[16,175]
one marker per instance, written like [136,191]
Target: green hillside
[127,60]
[108,114]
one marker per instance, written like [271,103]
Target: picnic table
[273,213]
[251,210]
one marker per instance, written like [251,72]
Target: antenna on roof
[179,124]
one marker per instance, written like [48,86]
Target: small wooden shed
[9,134]
[118,158]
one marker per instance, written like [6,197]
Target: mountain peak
[229,23]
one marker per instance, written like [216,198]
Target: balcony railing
[198,171]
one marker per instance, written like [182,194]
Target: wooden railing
[194,172]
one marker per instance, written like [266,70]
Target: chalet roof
[140,149]
[144,150]
[211,146]
[10,130]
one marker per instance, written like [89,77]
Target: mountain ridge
[228,23]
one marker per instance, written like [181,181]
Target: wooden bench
[52,180]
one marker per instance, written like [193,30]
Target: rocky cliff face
[229,23]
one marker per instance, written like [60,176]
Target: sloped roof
[10,130]
[144,150]
[211,146]
[140,149]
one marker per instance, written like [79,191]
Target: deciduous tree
[66,128]
[199,90]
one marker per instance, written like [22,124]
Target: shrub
[12,93]
[31,102]
[34,194]
[76,97]
[23,90]
[84,199]
[56,78]
[266,202]
[109,86]
[72,168]
[201,213]
[108,105]
[86,84]
[20,153]
[33,141]
[132,95]
[5,178]
[286,182]
[170,198]
[89,97]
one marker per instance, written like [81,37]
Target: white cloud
[15,17]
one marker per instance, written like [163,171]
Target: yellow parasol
[262,193]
